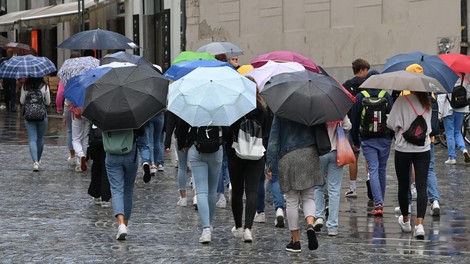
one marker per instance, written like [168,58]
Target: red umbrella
[457,62]
[19,48]
[285,56]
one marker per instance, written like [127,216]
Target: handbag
[344,152]
[249,143]
[322,138]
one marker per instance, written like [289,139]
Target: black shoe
[312,238]
[293,247]
[369,191]
[146,169]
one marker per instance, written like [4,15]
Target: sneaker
[419,232]
[398,210]
[312,238]
[78,169]
[146,172]
[206,236]
[435,208]
[414,192]
[377,211]
[36,166]
[351,194]
[160,167]
[259,218]
[247,237]
[221,203]
[182,201]
[83,166]
[97,201]
[369,190]
[107,204]
[450,162]
[237,232]
[71,160]
[279,221]
[122,232]
[466,156]
[318,224]
[195,202]
[333,232]
[153,170]
[294,247]
[405,227]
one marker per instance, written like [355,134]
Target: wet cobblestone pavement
[48,217]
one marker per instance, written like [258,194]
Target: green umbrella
[192,55]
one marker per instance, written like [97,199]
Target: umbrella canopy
[244,69]
[27,66]
[216,96]
[306,97]
[176,71]
[125,97]
[285,56]
[432,65]
[191,55]
[3,40]
[221,47]
[123,56]
[19,48]
[457,62]
[404,80]
[77,85]
[74,66]
[98,39]
[271,68]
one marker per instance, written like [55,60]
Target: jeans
[143,146]
[206,170]
[292,201]
[80,129]
[182,168]
[36,131]
[223,174]
[278,197]
[333,175]
[156,138]
[68,123]
[453,125]
[376,152]
[122,170]
[433,188]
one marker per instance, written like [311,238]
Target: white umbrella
[221,47]
[270,69]
[404,80]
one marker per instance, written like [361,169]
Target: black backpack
[435,127]
[34,108]
[208,138]
[458,97]
[416,133]
[374,115]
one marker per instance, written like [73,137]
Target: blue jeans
[206,170]
[68,123]
[143,146]
[333,175]
[278,197]
[182,167]
[36,131]
[454,138]
[223,174]
[122,170]
[156,138]
[433,189]
[376,152]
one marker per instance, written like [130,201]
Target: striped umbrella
[27,66]
[74,66]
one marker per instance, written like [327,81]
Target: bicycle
[466,128]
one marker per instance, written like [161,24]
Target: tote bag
[344,152]
[249,143]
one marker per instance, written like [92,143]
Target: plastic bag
[344,152]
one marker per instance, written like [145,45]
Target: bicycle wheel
[466,128]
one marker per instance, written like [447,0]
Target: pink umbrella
[285,56]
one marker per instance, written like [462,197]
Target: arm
[395,119]
[182,133]
[356,120]
[170,128]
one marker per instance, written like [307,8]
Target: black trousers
[99,185]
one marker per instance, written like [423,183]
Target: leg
[334,180]
[130,171]
[68,124]
[158,137]
[319,189]
[238,187]
[261,193]
[459,142]
[31,128]
[449,127]
[182,170]
[421,164]
[214,161]
[433,188]
[201,182]
[383,154]
[402,170]
[251,171]
[369,148]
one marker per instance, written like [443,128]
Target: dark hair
[360,64]
[75,54]
[423,99]
[33,83]
[258,96]
[221,57]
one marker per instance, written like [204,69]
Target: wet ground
[49,217]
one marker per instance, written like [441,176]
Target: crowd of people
[298,174]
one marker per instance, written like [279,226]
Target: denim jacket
[285,137]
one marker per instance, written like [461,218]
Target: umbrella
[216,96]
[125,97]
[77,85]
[27,66]
[75,66]
[271,68]
[432,65]
[123,56]
[306,97]
[3,40]
[191,55]
[176,71]
[98,39]
[19,48]
[221,47]
[457,62]
[244,69]
[285,56]
[404,80]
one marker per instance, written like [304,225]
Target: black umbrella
[125,97]
[306,97]
[98,39]
[123,56]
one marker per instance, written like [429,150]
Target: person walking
[155,139]
[99,185]
[63,108]
[35,94]
[9,88]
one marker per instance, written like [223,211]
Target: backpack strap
[414,109]
[365,93]
[382,93]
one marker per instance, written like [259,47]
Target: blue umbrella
[98,39]
[176,71]
[76,86]
[432,65]
[27,66]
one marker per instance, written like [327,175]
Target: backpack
[416,133]
[208,139]
[374,115]
[435,127]
[34,107]
[249,143]
[459,97]
[118,142]
[322,139]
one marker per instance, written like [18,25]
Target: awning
[7,21]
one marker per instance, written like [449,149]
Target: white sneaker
[419,232]
[195,202]
[405,227]
[466,156]
[318,224]
[122,232]
[450,162]
[71,161]
[259,218]
[247,237]
[206,236]
[36,166]
[279,221]
[221,203]
[182,201]
[160,167]
[351,194]
[153,170]
[414,192]
[237,232]
[435,208]
[398,210]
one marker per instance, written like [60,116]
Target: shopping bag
[344,152]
